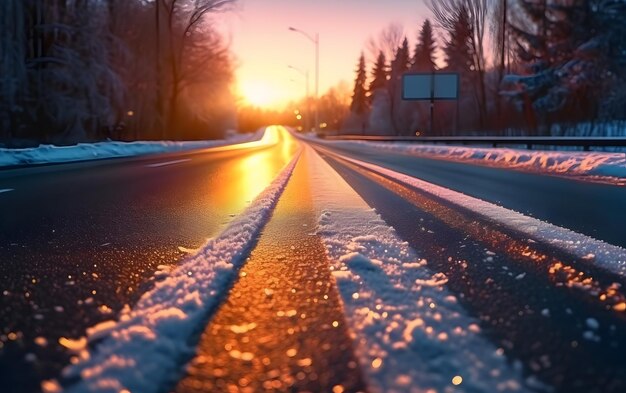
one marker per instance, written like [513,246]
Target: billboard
[430,86]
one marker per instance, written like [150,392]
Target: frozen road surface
[292,264]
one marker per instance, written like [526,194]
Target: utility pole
[316,40]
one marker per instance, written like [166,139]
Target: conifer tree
[571,52]
[379,75]
[359,99]
[424,55]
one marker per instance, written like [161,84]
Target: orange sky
[264,46]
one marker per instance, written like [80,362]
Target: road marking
[6,190]
[160,164]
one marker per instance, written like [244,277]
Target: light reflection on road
[251,174]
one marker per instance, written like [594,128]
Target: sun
[259,94]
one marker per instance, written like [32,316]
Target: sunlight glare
[259,94]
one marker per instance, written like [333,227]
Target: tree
[359,99]
[399,66]
[424,55]
[13,72]
[356,120]
[568,48]
[387,41]
[82,70]
[446,13]
[458,56]
[379,75]
[190,48]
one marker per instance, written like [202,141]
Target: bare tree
[387,41]
[186,20]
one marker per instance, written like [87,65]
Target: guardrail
[585,142]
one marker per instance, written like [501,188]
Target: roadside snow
[146,348]
[595,166]
[90,151]
[607,256]
[410,333]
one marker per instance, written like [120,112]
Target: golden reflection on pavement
[281,328]
[249,175]
[272,136]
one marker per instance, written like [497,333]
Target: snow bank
[89,151]
[596,166]
[146,348]
[410,332]
[607,256]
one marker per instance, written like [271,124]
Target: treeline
[333,107]
[524,66]
[77,70]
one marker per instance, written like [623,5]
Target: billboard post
[430,86]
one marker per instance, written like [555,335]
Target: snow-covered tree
[75,70]
[573,53]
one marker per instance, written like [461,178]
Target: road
[591,208]
[80,241]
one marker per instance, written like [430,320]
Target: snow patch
[596,166]
[90,151]
[145,349]
[607,256]
[409,330]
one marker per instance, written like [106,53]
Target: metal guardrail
[585,142]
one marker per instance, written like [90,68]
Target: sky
[264,47]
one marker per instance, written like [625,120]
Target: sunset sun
[259,94]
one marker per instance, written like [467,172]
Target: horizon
[264,47]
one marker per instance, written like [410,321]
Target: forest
[80,70]
[526,67]
[87,70]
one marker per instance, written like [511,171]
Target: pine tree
[379,75]
[458,50]
[424,55]
[399,66]
[570,55]
[458,55]
[359,99]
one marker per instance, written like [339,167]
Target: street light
[316,40]
[306,90]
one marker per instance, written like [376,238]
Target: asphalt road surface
[594,209]
[80,241]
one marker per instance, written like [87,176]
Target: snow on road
[605,255]
[89,151]
[594,166]
[145,349]
[410,332]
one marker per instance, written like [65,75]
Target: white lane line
[6,190]
[166,163]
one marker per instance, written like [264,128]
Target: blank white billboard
[437,86]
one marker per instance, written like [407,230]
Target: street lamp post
[306,92]
[316,40]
